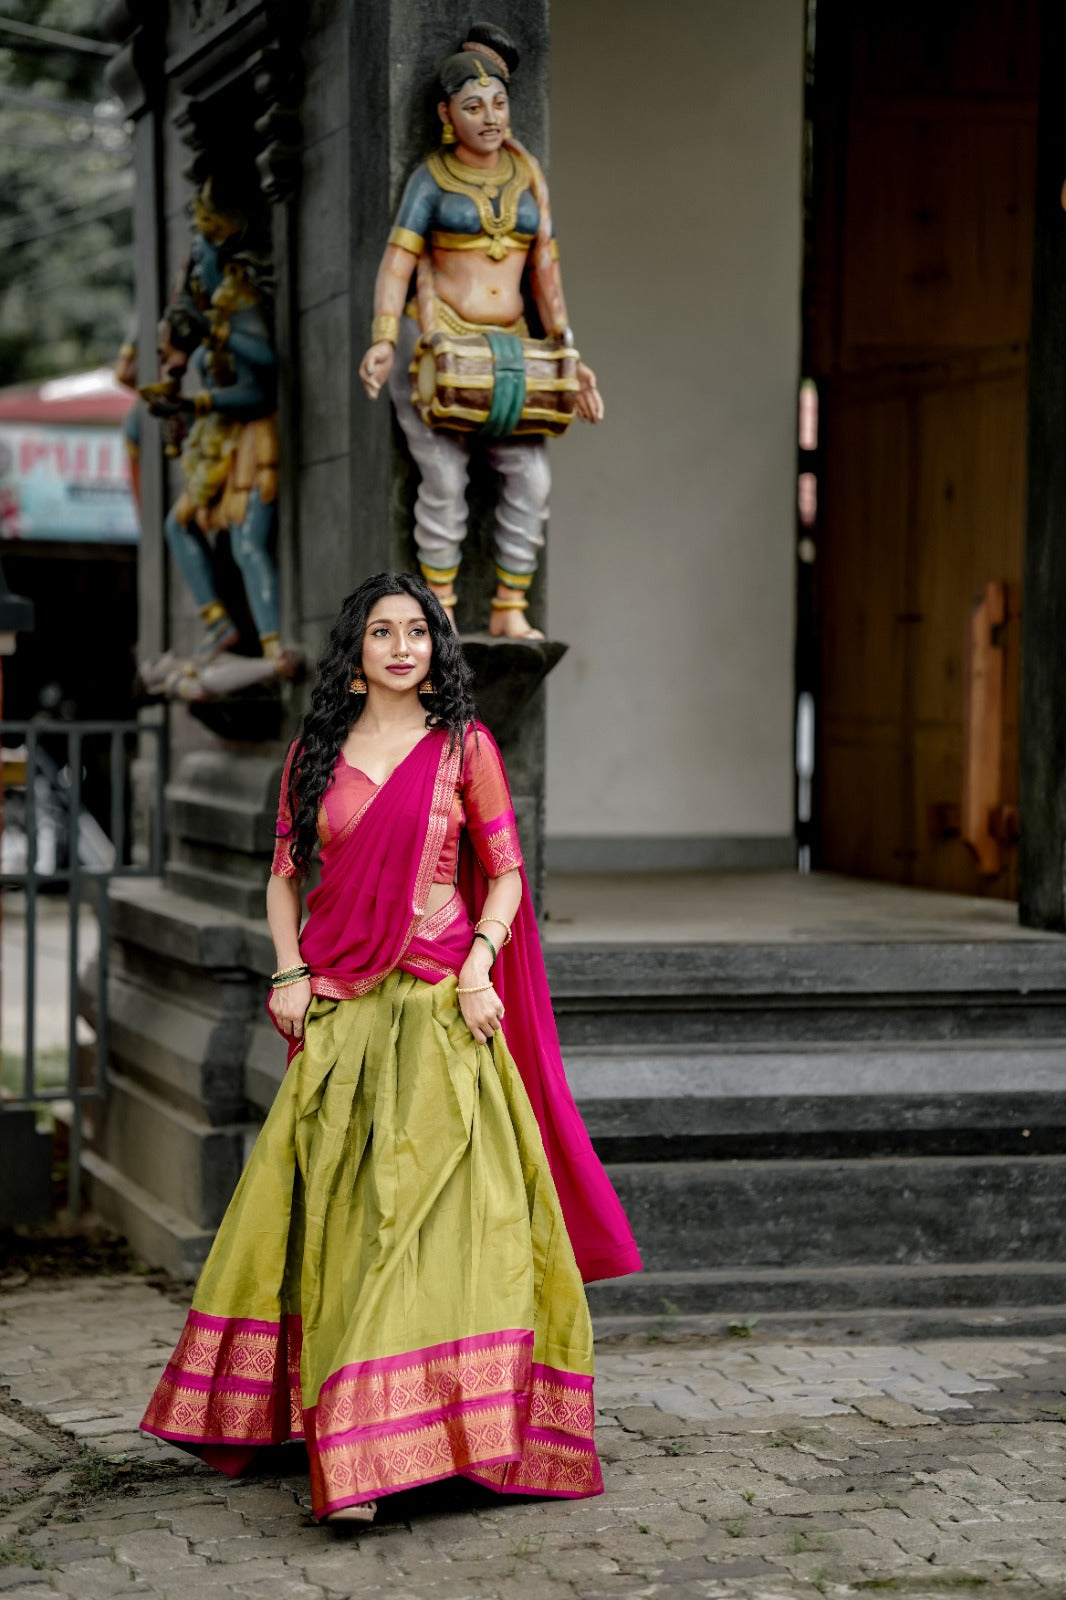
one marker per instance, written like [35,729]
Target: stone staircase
[794,1127]
[848,1128]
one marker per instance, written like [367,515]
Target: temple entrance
[917,307]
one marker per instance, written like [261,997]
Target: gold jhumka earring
[427,686]
[447,134]
[358,683]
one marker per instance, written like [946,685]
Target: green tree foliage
[66,259]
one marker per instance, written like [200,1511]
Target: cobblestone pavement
[734,1468]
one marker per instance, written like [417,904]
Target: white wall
[675,180]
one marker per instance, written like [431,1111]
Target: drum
[495,384]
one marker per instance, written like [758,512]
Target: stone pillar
[394,50]
[194,1059]
[1042,859]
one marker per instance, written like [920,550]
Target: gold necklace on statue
[482,185]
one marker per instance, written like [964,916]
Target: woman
[398,1279]
[475,220]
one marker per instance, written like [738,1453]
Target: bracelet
[489,942]
[386,325]
[506,926]
[480,989]
[290,975]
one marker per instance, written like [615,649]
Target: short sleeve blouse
[482,805]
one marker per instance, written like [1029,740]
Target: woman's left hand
[589,402]
[483,1010]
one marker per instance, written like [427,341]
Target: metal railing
[65,846]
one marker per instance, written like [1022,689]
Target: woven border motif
[475,1406]
[231,1380]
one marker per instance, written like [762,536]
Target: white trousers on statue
[443,462]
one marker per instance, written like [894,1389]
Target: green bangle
[489,942]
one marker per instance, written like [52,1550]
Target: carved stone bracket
[248,49]
[137,26]
[214,46]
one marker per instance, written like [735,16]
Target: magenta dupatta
[377,874]
[376,877]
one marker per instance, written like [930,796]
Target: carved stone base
[166,1146]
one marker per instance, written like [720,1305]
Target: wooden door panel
[863,804]
[863,566]
[917,322]
[969,466]
[944,48]
[940,230]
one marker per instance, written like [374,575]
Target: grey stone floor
[735,1467]
[765,908]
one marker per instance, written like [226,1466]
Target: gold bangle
[385,326]
[509,605]
[480,989]
[506,926]
[291,974]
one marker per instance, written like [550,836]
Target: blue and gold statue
[220,389]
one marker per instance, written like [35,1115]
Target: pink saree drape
[364,922]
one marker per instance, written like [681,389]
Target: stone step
[157,1233]
[898,1212]
[715,994]
[736,1295]
[185,1161]
[821,1100]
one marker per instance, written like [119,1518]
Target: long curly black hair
[334,711]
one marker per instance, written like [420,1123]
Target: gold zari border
[394,1394]
[360,1465]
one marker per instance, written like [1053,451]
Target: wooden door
[917,301]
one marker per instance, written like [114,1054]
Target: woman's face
[479,115]
[397,645]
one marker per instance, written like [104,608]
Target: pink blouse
[482,805]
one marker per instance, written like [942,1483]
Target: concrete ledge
[901,1211]
[594,852]
[194,1164]
[157,1233]
[810,970]
[822,1101]
[733,1294]
[147,913]
[176,1051]
[230,804]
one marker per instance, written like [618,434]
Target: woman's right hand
[288,1006]
[375,367]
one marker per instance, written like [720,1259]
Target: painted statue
[474,230]
[216,338]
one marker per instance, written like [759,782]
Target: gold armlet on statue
[202,402]
[405,239]
[385,327]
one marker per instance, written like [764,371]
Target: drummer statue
[474,228]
